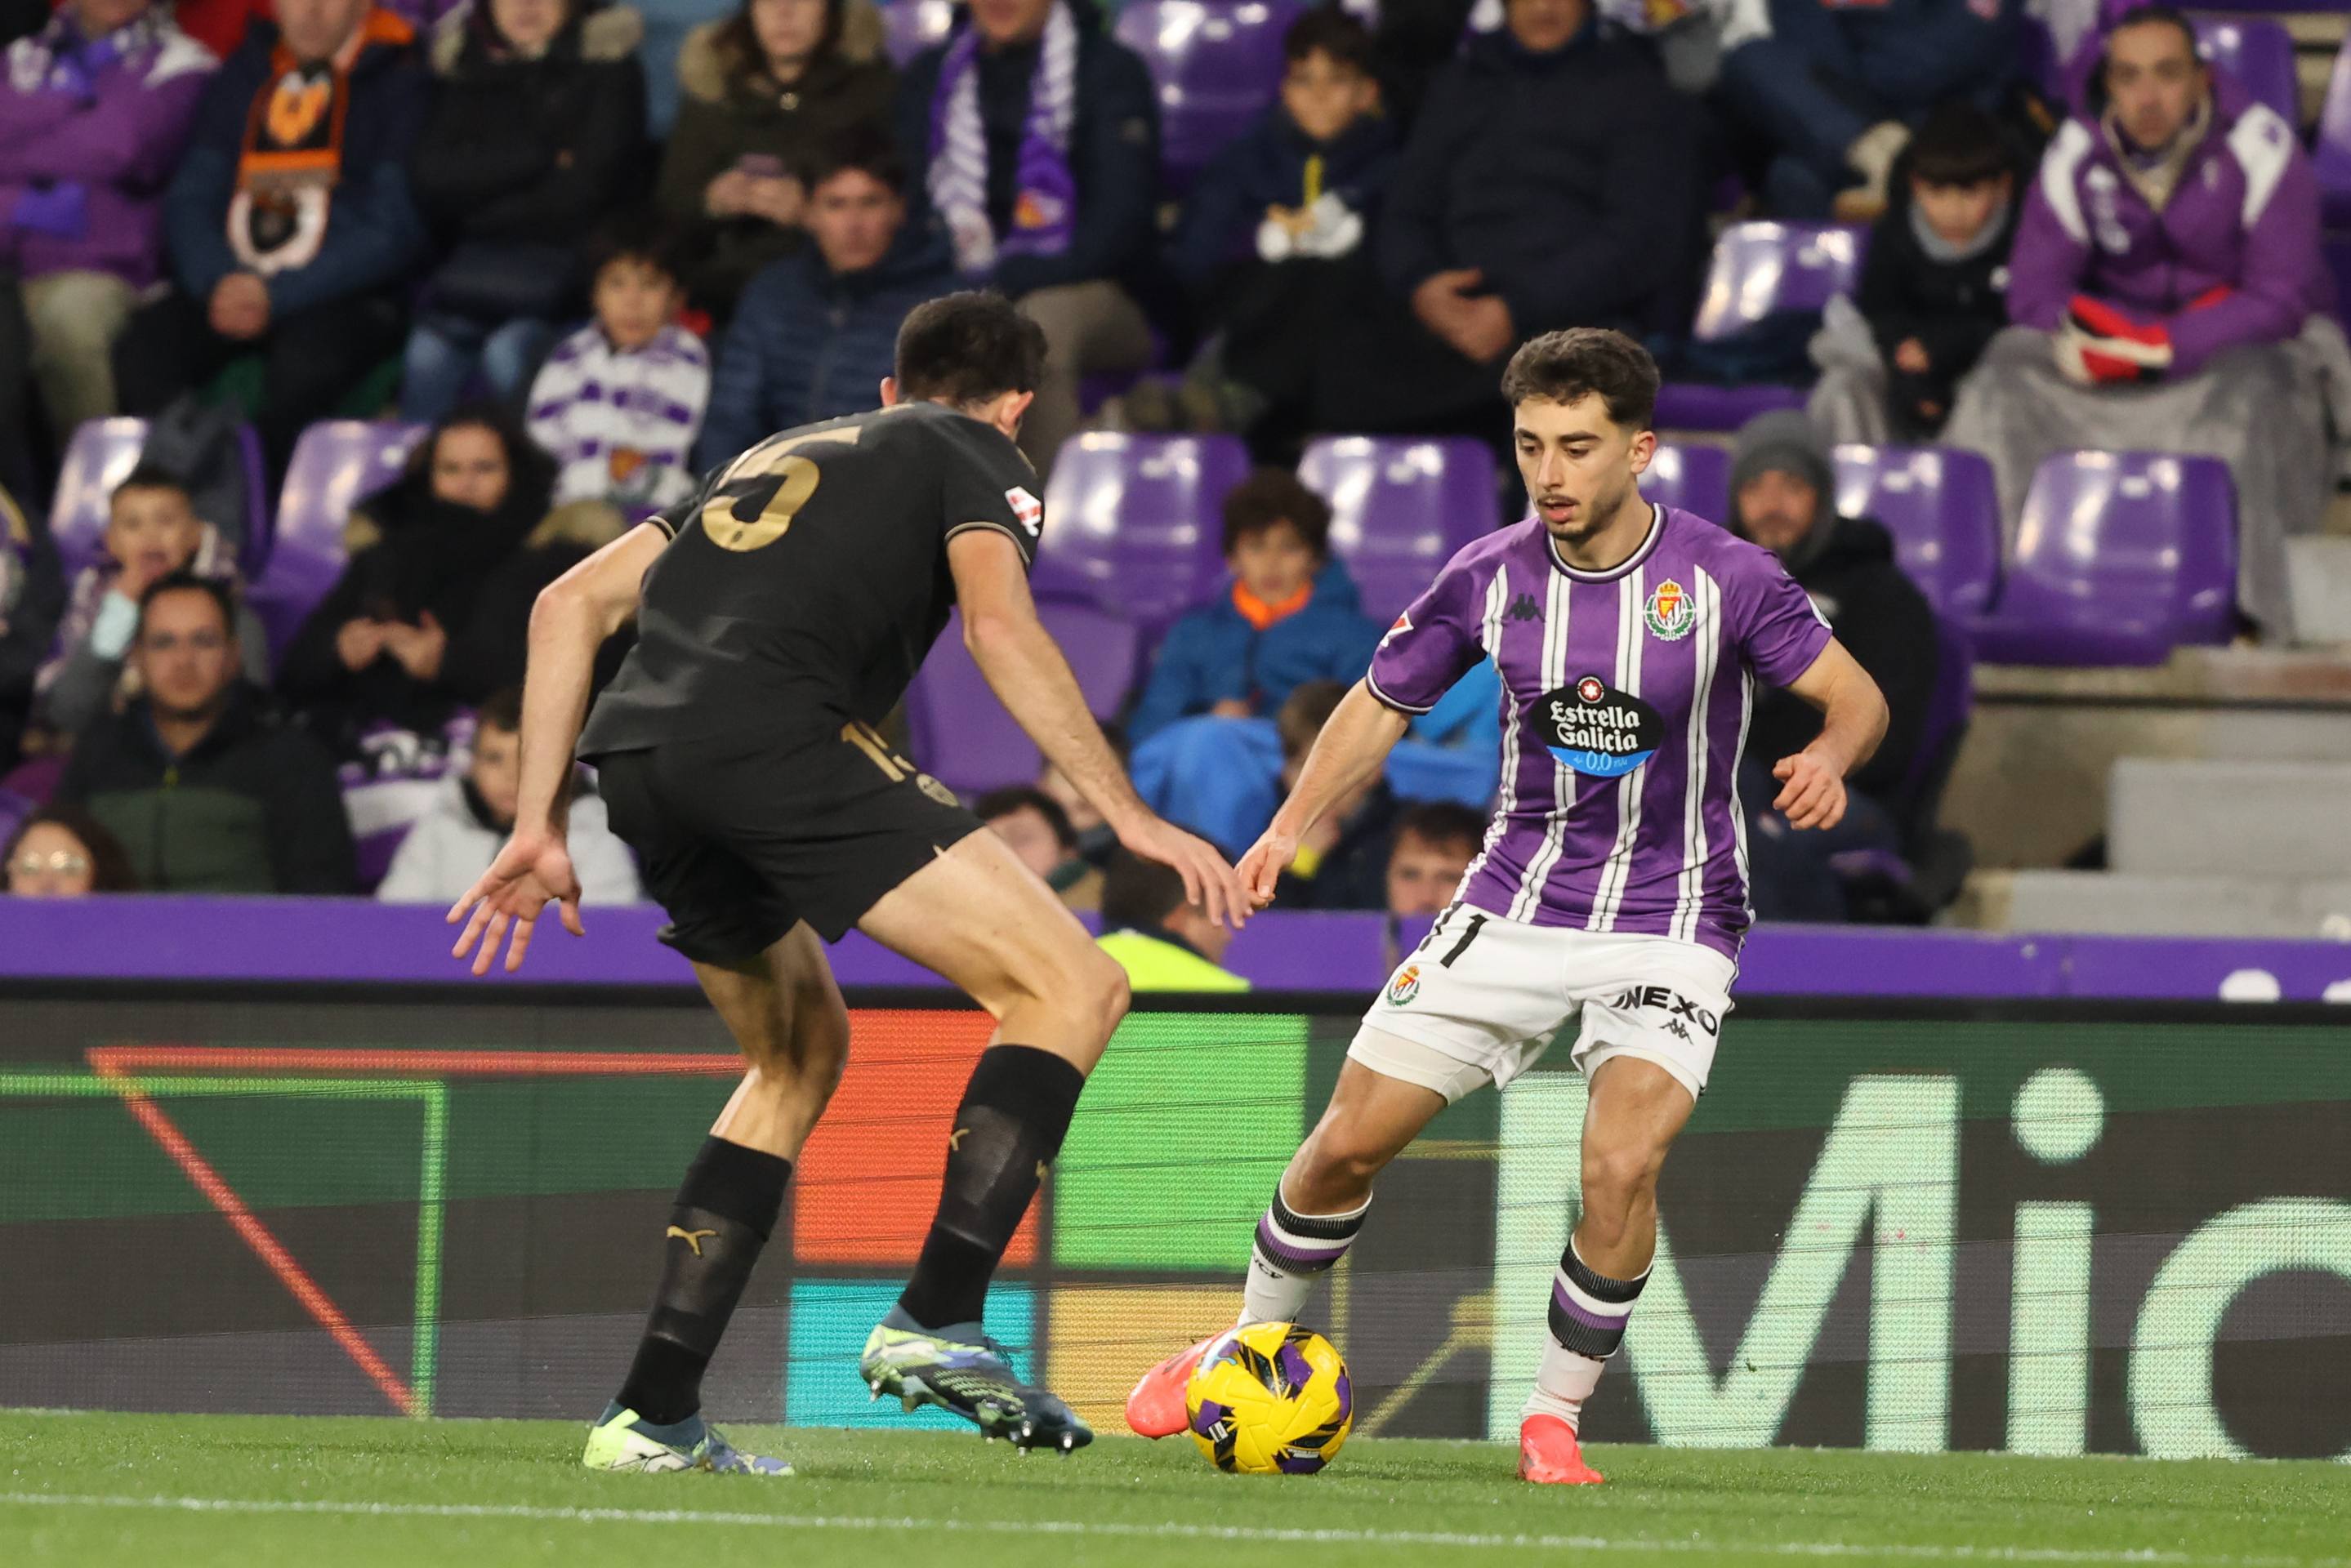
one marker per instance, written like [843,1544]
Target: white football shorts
[1482,997]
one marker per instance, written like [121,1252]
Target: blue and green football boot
[623,1440]
[964,1372]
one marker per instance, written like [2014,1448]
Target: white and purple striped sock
[1588,1314]
[1291,1251]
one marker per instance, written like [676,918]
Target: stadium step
[2208,817]
[2318,573]
[2118,904]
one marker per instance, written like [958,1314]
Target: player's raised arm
[1852,722]
[1026,668]
[1351,749]
[569,623]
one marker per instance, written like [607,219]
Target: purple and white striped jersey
[1625,697]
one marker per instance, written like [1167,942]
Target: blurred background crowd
[332,331]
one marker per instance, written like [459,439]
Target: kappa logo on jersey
[1669,612]
[1405,986]
[1594,729]
[1523,608]
[1027,508]
[1677,1008]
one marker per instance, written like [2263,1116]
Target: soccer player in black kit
[780,613]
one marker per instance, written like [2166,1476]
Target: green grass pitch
[183,1492]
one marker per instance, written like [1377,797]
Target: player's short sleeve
[673,518]
[1431,644]
[1777,627]
[986,483]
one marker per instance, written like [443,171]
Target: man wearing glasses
[206,795]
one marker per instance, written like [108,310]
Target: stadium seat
[100,453]
[2119,558]
[2259,52]
[910,26]
[1400,508]
[962,735]
[1133,522]
[1217,64]
[335,464]
[1760,270]
[1944,513]
[1691,476]
[2331,155]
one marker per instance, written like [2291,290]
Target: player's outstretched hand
[1261,867]
[1208,882]
[1813,795]
[529,873]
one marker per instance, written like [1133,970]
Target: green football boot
[622,1440]
[962,1371]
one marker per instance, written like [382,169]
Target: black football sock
[1014,1114]
[726,1209]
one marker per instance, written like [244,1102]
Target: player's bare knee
[1111,993]
[1333,1171]
[1618,1178]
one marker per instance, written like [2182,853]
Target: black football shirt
[805,581]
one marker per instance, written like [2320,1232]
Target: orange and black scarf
[293,151]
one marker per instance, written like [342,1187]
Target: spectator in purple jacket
[94,109]
[2167,293]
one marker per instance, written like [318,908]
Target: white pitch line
[1188,1532]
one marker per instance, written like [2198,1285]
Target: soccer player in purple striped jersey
[1609,901]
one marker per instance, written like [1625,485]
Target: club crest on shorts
[1405,986]
[1594,729]
[1669,612]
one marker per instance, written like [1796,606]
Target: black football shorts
[741,837]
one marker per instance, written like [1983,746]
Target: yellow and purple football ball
[1270,1398]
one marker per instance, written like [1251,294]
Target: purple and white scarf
[1045,200]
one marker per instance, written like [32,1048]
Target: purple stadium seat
[1763,268]
[1217,64]
[1759,270]
[1135,522]
[1691,476]
[1943,511]
[2333,154]
[962,735]
[100,453]
[2259,52]
[335,464]
[2119,558]
[1400,508]
[1700,406]
[910,26]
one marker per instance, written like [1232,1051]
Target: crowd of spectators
[597,261]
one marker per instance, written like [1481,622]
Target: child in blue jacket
[1206,750]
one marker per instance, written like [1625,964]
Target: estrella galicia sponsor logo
[1594,729]
[1679,1010]
[1405,986]
[1669,613]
